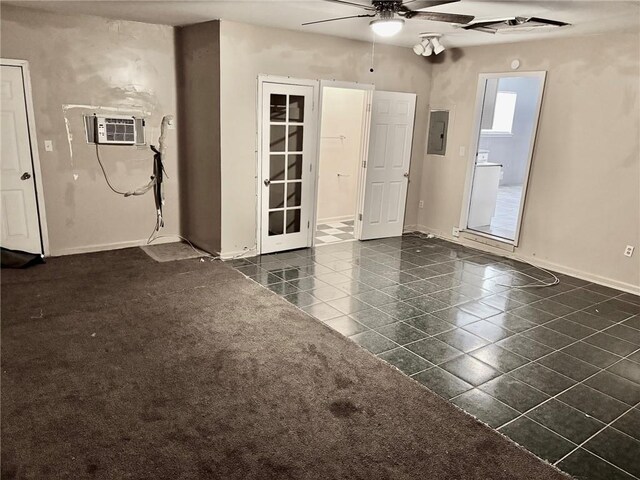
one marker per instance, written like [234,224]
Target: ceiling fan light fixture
[437,46]
[387,27]
[428,50]
[421,48]
[429,45]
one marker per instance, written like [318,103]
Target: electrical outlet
[455,232]
[629,250]
[421,204]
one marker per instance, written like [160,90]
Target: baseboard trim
[168,238]
[589,277]
[336,219]
[239,254]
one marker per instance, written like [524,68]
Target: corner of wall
[198,84]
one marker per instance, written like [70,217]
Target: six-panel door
[387,174]
[20,224]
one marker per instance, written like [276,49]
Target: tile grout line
[554,397]
[608,425]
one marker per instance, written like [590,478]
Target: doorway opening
[507,117]
[342,148]
[364,162]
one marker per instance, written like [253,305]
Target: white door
[387,169]
[18,204]
[288,148]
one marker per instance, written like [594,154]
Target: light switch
[463,151]
[48,146]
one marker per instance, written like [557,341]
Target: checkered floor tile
[334,232]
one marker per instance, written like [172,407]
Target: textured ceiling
[587,17]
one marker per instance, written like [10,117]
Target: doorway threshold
[488,239]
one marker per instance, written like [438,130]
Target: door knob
[267,182]
[25,176]
[406,174]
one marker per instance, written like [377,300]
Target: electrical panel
[115,129]
[438,126]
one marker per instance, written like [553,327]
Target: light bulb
[387,27]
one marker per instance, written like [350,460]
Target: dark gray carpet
[115,366]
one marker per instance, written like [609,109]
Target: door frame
[368,90]
[33,145]
[473,152]
[262,79]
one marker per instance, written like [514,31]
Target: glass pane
[295,138]
[276,223]
[296,108]
[278,107]
[295,167]
[293,221]
[276,168]
[276,195]
[277,138]
[499,181]
[294,194]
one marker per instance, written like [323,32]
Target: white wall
[583,204]
[94,61]
[340,151]
[247,51]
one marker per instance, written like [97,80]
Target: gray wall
[82,60]
[512,151]
[198,53]
[583,203]
[248,51]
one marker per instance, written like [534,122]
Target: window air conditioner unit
[115,129]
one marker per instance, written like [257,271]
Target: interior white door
[18,204]
[288,148]
[387,169]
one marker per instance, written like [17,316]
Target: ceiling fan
[390,14]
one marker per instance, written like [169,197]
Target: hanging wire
[555,281]
[104,172]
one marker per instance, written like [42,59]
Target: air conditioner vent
[515,24]
[115,129]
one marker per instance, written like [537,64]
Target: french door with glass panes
[288,148]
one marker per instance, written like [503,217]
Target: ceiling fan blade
[511,21]
[484,24]
[421,4]
[338,18]
[354,4]
[555,23]
[441,17]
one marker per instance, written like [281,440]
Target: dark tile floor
[556,369]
